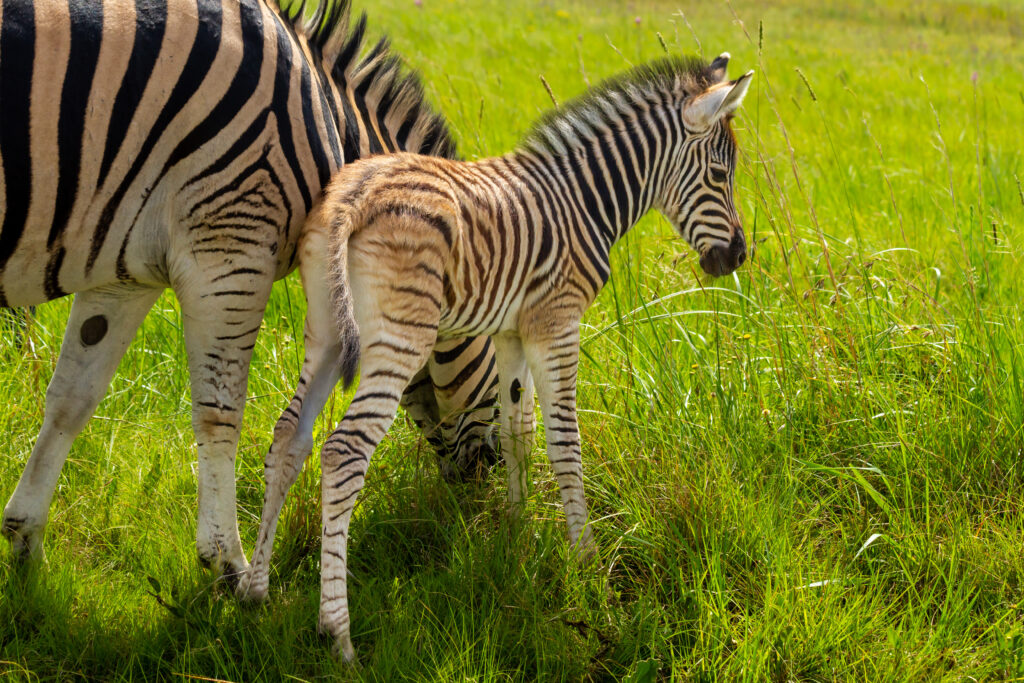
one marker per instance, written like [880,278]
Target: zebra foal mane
[597,107]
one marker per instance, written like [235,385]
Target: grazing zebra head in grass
[676,113]
[516,248]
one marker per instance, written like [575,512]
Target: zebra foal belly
[480,321]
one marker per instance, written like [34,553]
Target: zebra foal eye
[719,175]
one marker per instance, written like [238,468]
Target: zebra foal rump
[147,144]
[516,248]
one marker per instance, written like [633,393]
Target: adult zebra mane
[378,77]
[583,112]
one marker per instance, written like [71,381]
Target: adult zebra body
[147,144]
[516,247]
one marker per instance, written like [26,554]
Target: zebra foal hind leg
[102,323]
[396,335]
[293,433]
[343,461]
[391,356]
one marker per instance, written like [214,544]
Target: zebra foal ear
[718,68]
[703,111]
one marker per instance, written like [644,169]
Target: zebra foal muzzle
[722,259]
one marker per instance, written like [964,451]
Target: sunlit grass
[810,470]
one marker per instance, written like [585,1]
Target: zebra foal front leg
[101,325]
[553,361]
[517,423]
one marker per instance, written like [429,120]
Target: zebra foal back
[515,247]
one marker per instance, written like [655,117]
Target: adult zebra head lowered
[514,247]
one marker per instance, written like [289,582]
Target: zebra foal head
[698,193]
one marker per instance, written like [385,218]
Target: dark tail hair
[341,294]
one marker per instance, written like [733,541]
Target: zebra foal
[514,247]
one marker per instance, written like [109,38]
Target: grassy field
[809,471]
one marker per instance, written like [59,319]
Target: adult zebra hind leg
[221,314]
[102,323]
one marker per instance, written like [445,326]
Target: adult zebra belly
[133,133]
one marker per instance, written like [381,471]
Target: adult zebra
[147,144]
[516,247]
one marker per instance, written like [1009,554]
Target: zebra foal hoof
[585,548]
[342,648]
[587,554]
[252,589]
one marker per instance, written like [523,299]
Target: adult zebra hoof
[228,571]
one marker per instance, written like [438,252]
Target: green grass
[811,470]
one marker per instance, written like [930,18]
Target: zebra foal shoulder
[515,247]
[147,144]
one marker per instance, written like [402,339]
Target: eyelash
[719,176]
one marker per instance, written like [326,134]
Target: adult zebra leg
[553,363]
[460,385]
[420,404]
[221,320]
[392,353]
[293,433]
[102,323]
[516,421]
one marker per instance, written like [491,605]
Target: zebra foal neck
[515,247]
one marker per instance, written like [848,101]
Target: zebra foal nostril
[738,249]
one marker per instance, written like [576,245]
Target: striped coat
[147,144]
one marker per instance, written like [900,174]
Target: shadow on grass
[446,584]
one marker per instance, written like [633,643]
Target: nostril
[738,249]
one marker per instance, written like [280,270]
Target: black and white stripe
[147,144]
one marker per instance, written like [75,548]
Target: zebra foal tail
[338,217]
